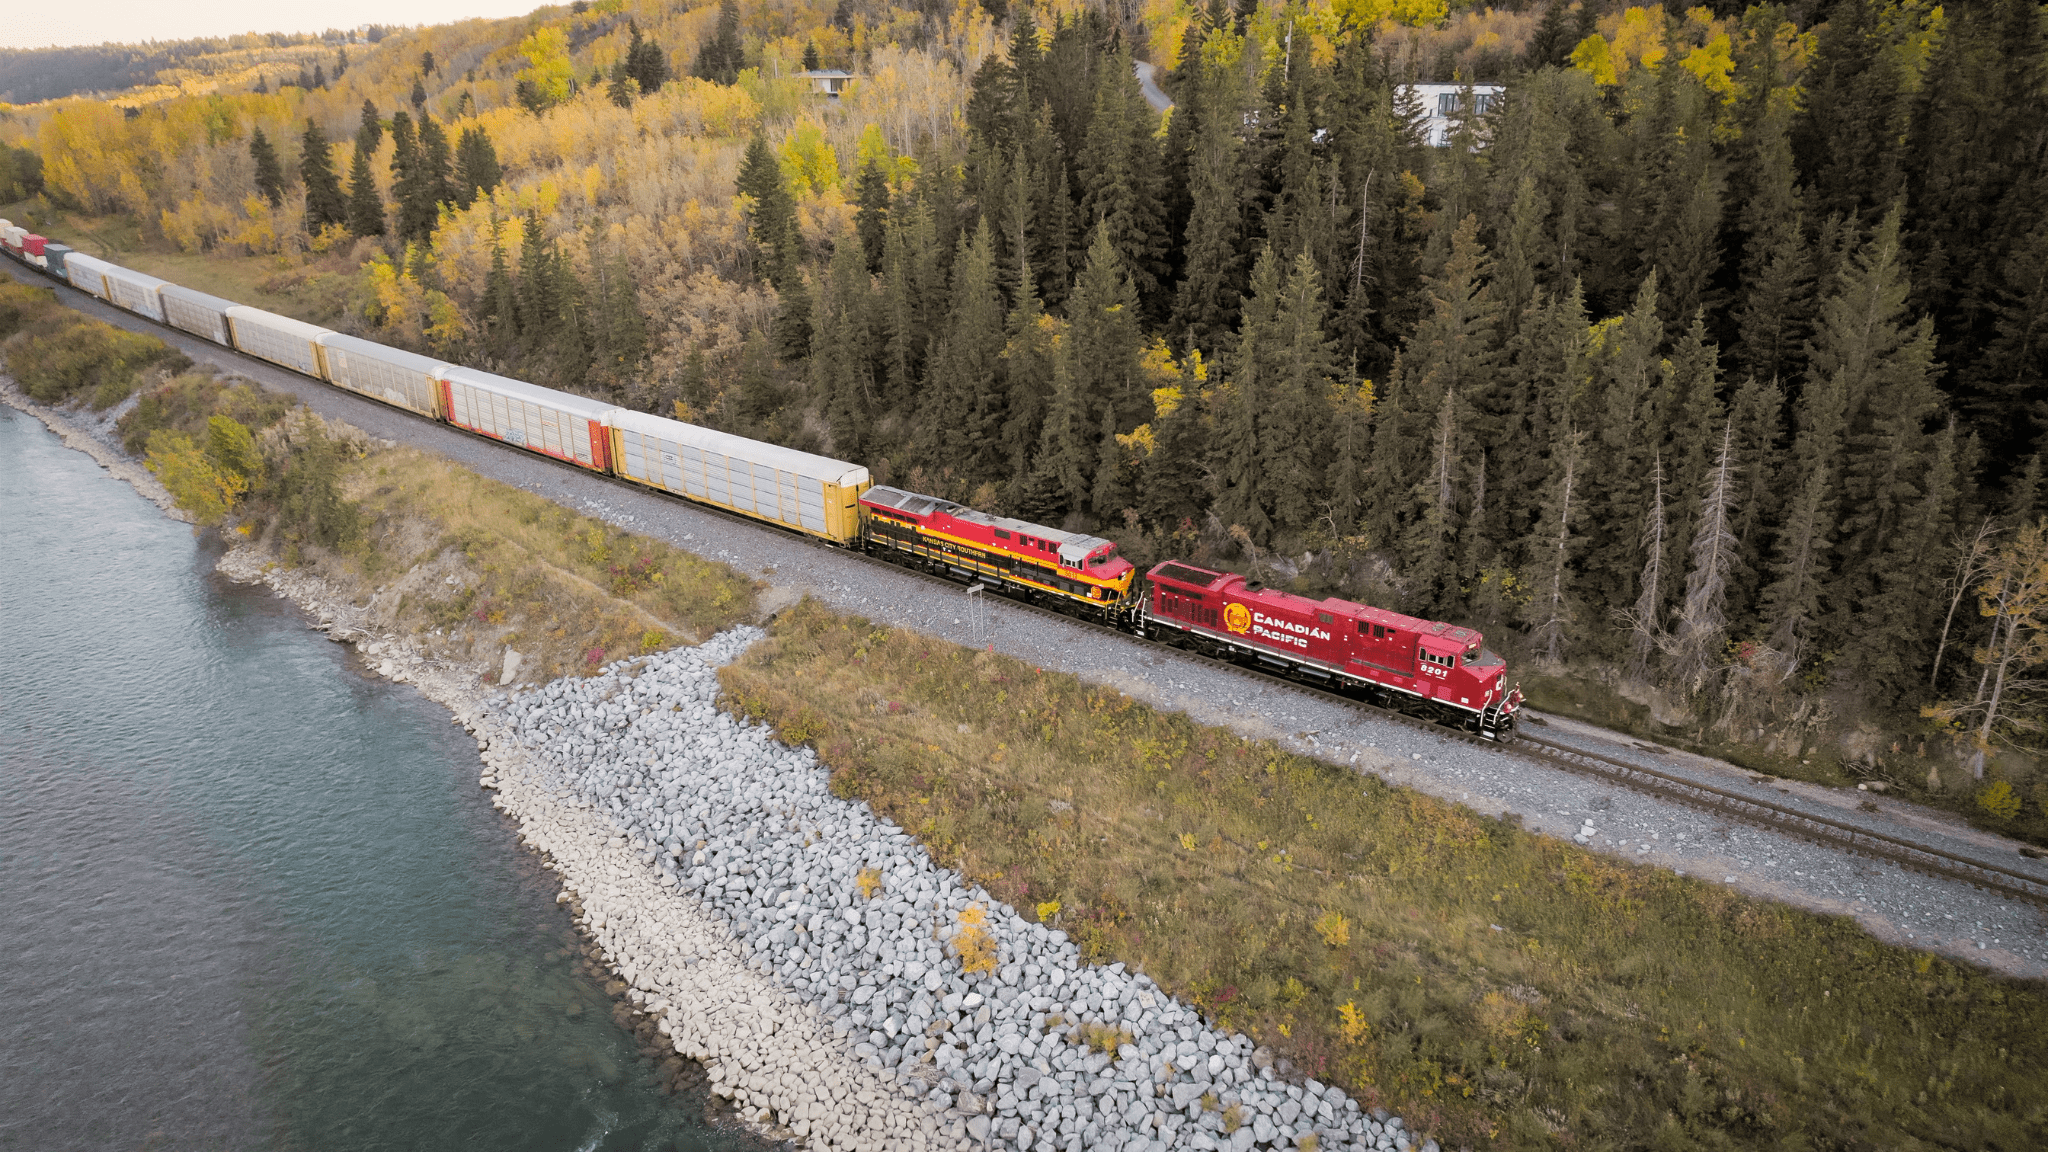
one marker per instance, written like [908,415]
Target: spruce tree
[365,205]
[1027,374]
[1455,349]
[1119,167]
[1105,337]
[871,212]
[419,98]
[325,205]
[499,308]
[437,174]
[721,57]
[771,221]
[1207,298]
[622,88]
[476,166]
[269,173]
[1294,428]
[370,133]
[1170,483]
[811,62]
[1241,497]
[843,356]
[1880,370]
[1891,630]
[646,63]
[959,419]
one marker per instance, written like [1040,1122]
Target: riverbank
[995,1032]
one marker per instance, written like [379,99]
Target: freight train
[1428,668]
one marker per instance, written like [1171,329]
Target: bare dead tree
[1556,615]
[1970,567]
[1645,630]
[1703,618]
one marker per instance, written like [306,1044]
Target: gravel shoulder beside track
[1905,908]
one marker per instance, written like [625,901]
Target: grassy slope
[1617,1006]
[570,592]
[466,564]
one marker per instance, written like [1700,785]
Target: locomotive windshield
[1102,557]
[1482,658]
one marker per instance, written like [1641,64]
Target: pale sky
[43,23]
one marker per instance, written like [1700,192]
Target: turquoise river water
[250,898]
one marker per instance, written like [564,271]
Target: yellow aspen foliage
[1640,37]
[1352,1026]
[258,230]
[1334,928]
[548,67]
[808,162]
[973,943]
[197,224]
[1595,58]
[1371,13]
[192,480]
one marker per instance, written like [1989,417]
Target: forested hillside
[1707,365]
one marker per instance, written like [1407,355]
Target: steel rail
[1706,797]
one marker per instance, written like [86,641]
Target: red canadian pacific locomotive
[1426,667]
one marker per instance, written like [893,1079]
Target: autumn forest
[1704,365]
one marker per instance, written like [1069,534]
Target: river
[254,899]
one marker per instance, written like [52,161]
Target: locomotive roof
[1072,545]
[1182,573]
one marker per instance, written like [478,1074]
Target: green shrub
[188,403]
[194,481]
[310,504]
[57,357]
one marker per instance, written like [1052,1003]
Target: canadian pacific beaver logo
[1237,618]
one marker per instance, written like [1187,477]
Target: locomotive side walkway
[1910,909]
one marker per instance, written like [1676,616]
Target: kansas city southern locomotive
[1425,667]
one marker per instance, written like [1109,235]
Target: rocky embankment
[832,977]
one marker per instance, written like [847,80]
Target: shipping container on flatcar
[283,341]
[810,493]
[526,415]
[36,250]
[56,257]
[203,316]
[135,291]
[86,273]
[1424,666]
[392,375]
[1068,569]
[11,235]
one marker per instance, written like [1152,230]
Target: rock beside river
[839,982]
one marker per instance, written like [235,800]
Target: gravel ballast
[811,953]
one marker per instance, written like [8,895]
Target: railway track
[1707,798]
[1718,802]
